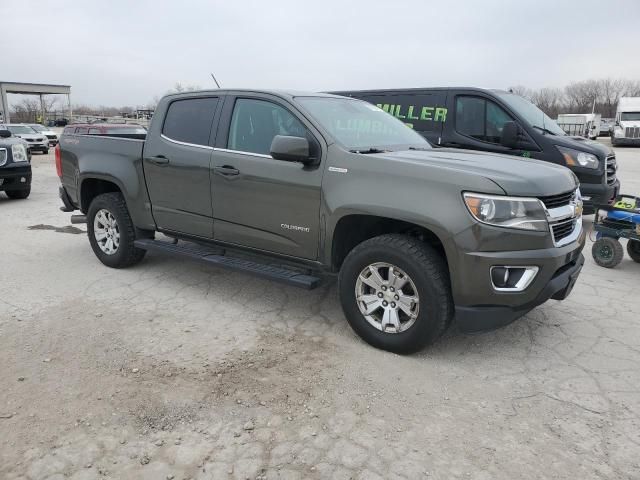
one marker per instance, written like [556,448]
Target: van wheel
[607,252]
[395,293]
[633,249]
[111,231]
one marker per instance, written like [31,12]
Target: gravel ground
[173,370]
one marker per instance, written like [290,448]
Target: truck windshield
[361,126]
[630,116]
[530,113]
[20,129]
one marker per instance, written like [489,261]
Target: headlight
[508,212]
[576,158]
[3,156]
[19,153]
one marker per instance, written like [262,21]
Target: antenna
[214,79]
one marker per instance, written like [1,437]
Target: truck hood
[515,175]
[583,144]
[31,136]
[630,123]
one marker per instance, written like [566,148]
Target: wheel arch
[354,228]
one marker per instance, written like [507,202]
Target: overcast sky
[123,52]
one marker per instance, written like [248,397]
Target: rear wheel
[111,231]
[633,249]
[19,194]
[395,293]
[607,252]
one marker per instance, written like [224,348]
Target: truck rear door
[177,161]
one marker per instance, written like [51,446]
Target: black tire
[607,252]
[126,253]
[429,273]
[633,249]
[19,194]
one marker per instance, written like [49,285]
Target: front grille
[632,132]
[612,169]
[563,229]
[31,139]
[555,201]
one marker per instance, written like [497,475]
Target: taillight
[58,161]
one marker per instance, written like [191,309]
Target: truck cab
[626,130]
[500,122]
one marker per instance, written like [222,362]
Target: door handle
[159,160]
[226,171]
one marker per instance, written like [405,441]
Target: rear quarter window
[190,120]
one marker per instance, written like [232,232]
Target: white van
[580,124]
[626,131]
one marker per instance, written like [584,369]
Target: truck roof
[629,104]
[276,92]
[422,89]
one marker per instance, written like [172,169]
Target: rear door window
[81,130]
[480,119]
[190,120]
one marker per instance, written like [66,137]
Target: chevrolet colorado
[298,186]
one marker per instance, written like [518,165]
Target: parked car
[129,130]
[50,134]
[315,185]
[15,165]
[37,142]
[585,125]
[606,124]
[500,122]
[626,130]
[61,122]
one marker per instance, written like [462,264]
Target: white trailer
[580,124]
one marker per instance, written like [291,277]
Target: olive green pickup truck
[301,187]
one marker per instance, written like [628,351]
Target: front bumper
[598,194]
[622,141]
[38,147]
[53,141]
[15,177]
[480,307]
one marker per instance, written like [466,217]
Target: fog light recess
[510,278]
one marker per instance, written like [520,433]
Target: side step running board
[216,257]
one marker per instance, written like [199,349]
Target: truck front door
[177,162]
[260,202]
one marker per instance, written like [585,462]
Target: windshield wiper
[544,130]
[422,149]
[368,150]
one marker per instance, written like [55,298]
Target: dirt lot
[172,370]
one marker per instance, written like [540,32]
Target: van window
[480,119]
[81,130]
[190,120]
[69,130]
[255,122]
[94,131]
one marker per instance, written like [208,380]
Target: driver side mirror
[5,133]
[291,149]
[510,135]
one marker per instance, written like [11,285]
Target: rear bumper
[15,178]
[38,147]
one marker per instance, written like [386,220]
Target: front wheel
[395,293]
[19,194]
[633,249]
[111,231]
